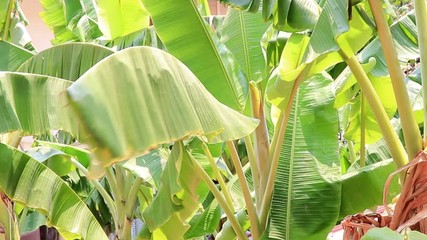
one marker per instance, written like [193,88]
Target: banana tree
[158,136]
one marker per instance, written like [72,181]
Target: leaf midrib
[291,167]
[218,56]
[245,45]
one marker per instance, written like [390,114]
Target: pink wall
[39,32]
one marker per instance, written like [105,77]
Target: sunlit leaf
[164,102]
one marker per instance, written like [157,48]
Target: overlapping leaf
[67,61]
[178,196]
[32,184]
[363,188]
[120,18]
[241,33]
[199,49]
[12,56]
[150,98]
[306,200]
[304,56]
[33,104]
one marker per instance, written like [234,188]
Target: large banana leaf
[32,184]
[67,61]
[33,103]
[12,56]
[187,36]
[120,18]
[306,199]
[241,33]
[140,97]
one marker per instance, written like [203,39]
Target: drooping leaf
[12,56]
[67,61]
[308,167]
[33,104]
[120,18]
[82,155]
[54,159]
[241,33]
[164,102]
[363,188]
[295,15]
[32,184]
[207,58]
[177,198]
[149,166]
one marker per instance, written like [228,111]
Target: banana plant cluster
[232,127]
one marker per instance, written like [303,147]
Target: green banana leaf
[3,14]
[12,56]
[363,188]
[288,15]
[404,33]
[54,17]
[66,61]
[204,223]
[178,196]
[307,192]
[304,56]
[32,184]
[120,18]
[144,91]
[241,33]
[54,159]
[295,15]
[187,37]
[34,104]
[384,90]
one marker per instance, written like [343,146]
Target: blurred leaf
[34,104]
[388,234]
[120,18]
[12,56]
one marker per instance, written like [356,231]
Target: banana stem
[421,16]
[253,217]
[410,129]
[396,148]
